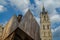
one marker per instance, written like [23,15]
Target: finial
[43,9]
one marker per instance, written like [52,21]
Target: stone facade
[45,29]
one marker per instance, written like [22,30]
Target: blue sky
[10,7]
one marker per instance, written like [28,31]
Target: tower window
[44,34]
[49,33]
[47,26]
[44,18]
[43,27]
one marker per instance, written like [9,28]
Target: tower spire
[45,25]
[43,9]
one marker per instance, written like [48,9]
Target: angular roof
[10,26]
[30,26]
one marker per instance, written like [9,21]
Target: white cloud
[58,28]
[56,33]
[4,24]
[52,30]
[20,4]
[49,4]
[55,18]
[55,30]
[2,8]
[3,2]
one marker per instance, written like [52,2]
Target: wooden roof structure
[28,24]
[10,27]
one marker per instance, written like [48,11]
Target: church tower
[45,29]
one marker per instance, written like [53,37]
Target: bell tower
[45,29]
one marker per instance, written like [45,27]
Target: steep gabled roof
[30,26]
[10,26]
